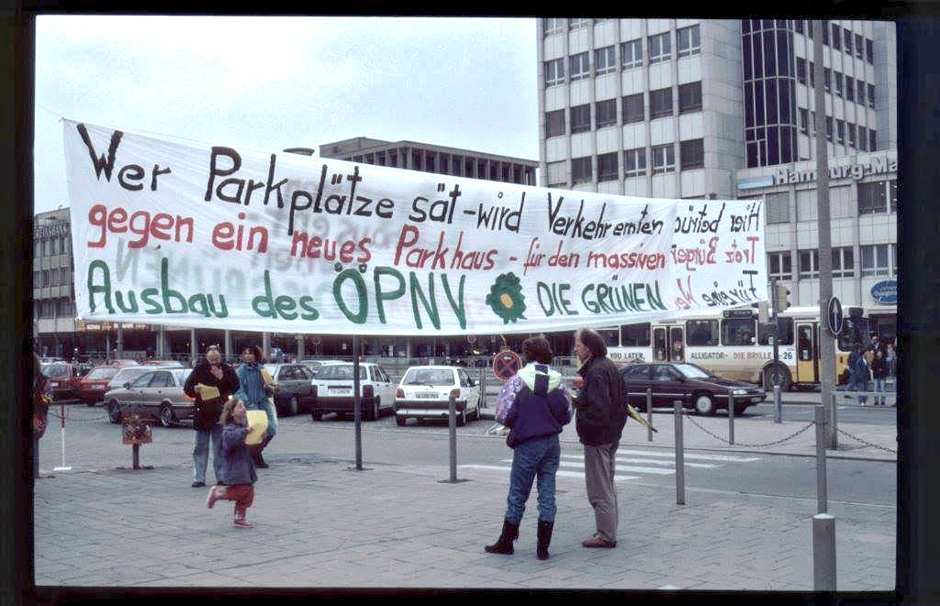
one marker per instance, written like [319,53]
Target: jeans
[858,383]
[201,453]
[536,456]
[267,406]
[880,386]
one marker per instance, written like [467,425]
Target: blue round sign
[885,292]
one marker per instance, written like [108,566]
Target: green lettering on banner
[458,308]
[360,284]
[380,296]
[104,288]
[147,297]
[429,307]
[168,293]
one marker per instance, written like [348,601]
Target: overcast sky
[278,82]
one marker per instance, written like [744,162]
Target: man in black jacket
[602,413]
[211,374]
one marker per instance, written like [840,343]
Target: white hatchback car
[333,390]
[424,393]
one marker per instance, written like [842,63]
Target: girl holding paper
[238,475]
[211,383]
[254,391]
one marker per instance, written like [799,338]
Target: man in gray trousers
[601,414]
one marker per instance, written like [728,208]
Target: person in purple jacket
[535,405]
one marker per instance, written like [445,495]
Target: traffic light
[781,298]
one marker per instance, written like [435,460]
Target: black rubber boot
[504,543]
[544,538]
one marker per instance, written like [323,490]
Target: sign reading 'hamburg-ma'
[877,166]
[167,232]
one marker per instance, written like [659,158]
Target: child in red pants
[238,470]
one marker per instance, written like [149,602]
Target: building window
[605,60]
[799,26]
[839,89]
[850,88]
[664,158]
[804,119]
[690,97]
[660,103]
[840,132]
[871,141]
[659,48]
[606,113]
[809,264]
[37,279]
[778,208]
[847,38]
[812,119]
[580,66]
[581,118]
[873,197]
[576,23]
[45,278]
[37,249]
[692,154]
[553,25]
[633,108]
[634,162]
[581,170]
[827,79]
[779,266]
[829,128]
[893,195]
[607,167]
[812,74]
[871,96]
[860,87]
[843,262]
[554,123]
[851,128]
[688,41]
[801,70]
[825,32]
[631,53]
[894,260]
[554,72]
[836,37]
[858,45]
[874,260]
[869,50]
[862,138]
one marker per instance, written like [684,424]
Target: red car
[92,387]
[63,377]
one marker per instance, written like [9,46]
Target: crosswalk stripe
[700,457]
[630,468]
[647,462]
[566,474]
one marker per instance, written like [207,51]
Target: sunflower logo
[506,298]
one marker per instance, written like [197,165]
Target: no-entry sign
[506,364]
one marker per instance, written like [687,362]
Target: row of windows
[663,160]
[54,308]
[659,48]
[873,198]
[848,87]
[57,276]
[874,262]
[52,246]
[866,139]
[841,38]
[447,164]
[632,110]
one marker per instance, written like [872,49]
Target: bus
[734,345]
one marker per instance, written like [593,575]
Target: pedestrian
[211,383]
[254,392]
[535,405]
[677,355]
[879,372]
[238,471]
[891,359]
[858,372]
[41,397]
[601,406]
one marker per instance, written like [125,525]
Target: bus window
[611,336]
[701,332]
[659,343]
[737,331]
[805,347]
[765,331]
[635,335]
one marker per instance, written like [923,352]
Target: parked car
[333,390]
[424,393]
[92,387]
[157,393]
[64,378]
[167,363]
[292,390]
[698,389]
[127,374]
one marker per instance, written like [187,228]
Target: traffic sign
[316,340]
[506,364]
[471,338]
[834,316]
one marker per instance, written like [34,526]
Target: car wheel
[166,415]
[89,402]
[400,421]
[114,413]
[704,404]
[294,406]
[462,418]
[777,374]
[317,415]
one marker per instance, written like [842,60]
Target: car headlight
[739,392]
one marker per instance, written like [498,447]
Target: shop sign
[877,166]
[885,292]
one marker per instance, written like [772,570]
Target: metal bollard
[136,456]
[649,414]
[452,422]
[680,457]
[824,552]
[778,406]
[831,428]
[821,487]
[482,386]
[731,418]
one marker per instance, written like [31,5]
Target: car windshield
[55,370]
[690,371]
[340,372]
[428,376]
[102,373]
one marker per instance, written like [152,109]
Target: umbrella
[633,413]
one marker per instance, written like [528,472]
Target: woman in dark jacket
[213,374]
[879,372]
[535,406]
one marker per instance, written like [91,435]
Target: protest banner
[179,233]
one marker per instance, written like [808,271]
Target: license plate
[340,390]
[54,383]
[426,395]
[757,399]
[98,387]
